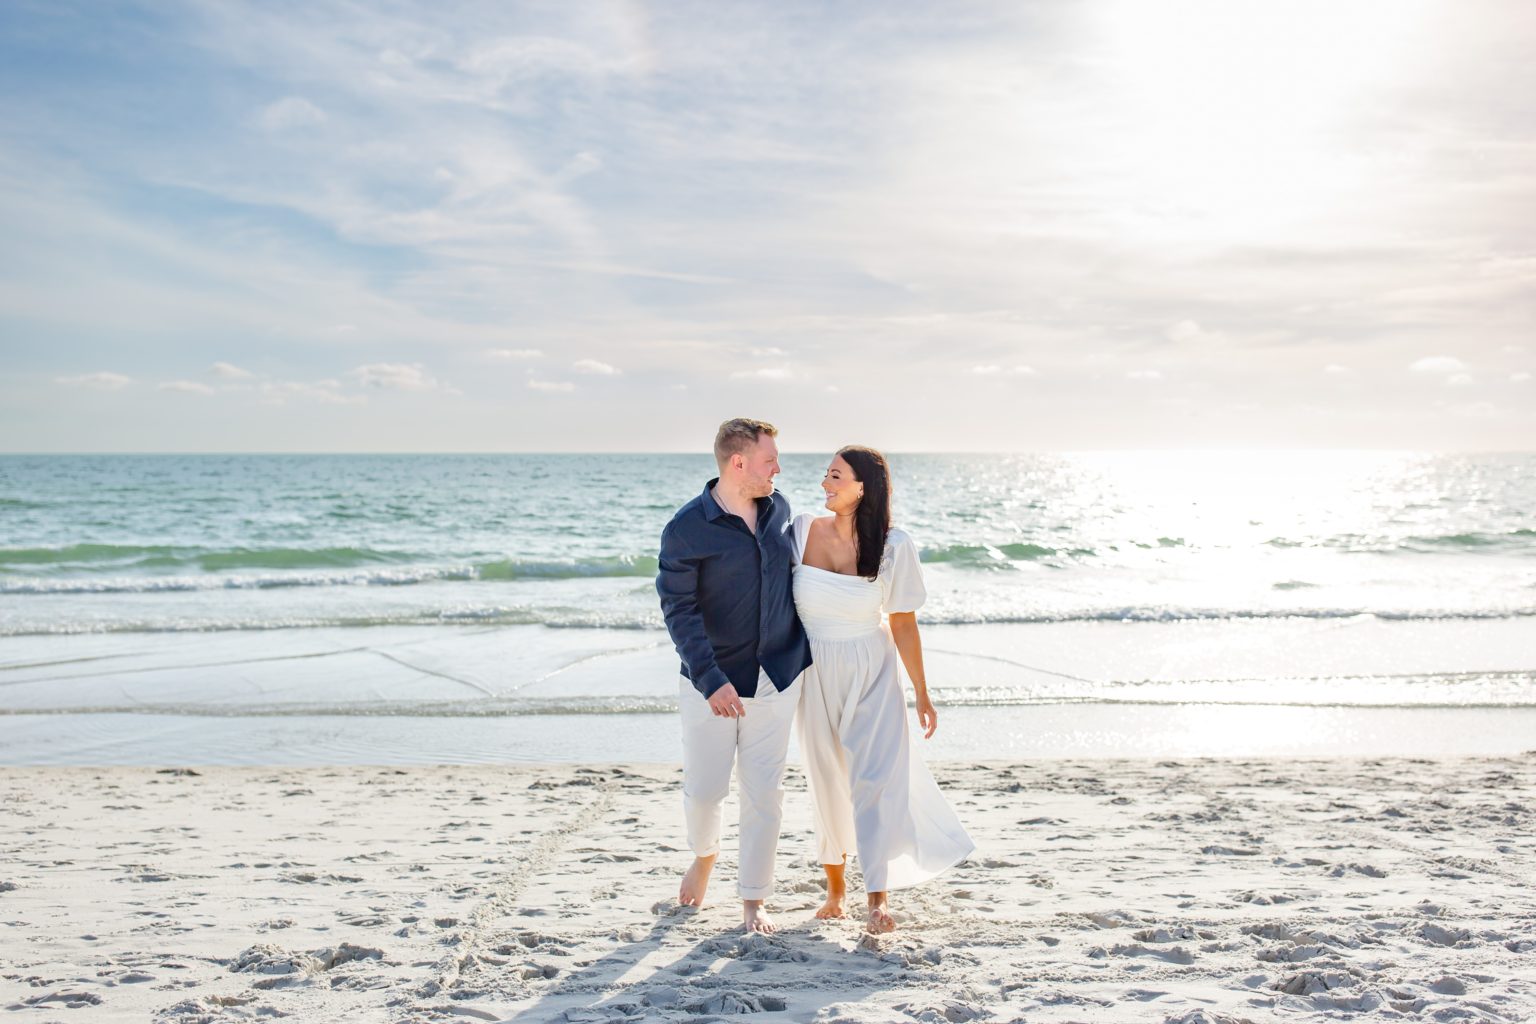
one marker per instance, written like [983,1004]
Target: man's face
[760,464]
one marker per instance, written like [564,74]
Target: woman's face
[842,488]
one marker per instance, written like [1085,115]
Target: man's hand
[725,704]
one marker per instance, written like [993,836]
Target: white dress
[874,796]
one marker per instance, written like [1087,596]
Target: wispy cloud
[229,371]
[291,112]
[1189,332]
[1437,364]
[556,386]
[396,377]
[186,387]
[328,391]
[104,380]
[887,200]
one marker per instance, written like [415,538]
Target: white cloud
[1337,369]
[1519,378]
[105,380]
[290,112]
[1187,332]
[395,376]
[1513,350]
[230,371]
[592,366]
[558,386]
[766,373]
[1145,375]
[1022,371]
[987,370]
[1010,224]
[327,390]
[1459,379]
[1437,364]
[187,387]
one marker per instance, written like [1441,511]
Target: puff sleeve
[799,529]
[901,575]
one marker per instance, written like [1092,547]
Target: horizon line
[791,451]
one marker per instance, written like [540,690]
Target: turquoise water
[391,609]
[146,543]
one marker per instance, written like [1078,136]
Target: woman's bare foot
[695,881]
[755,919]
[836,891]
[880,919]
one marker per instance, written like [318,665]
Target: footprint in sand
[1112,919]
[70,1000]
[1369,870]
[1292,954]
[1175,934]
[1173,955]
[1307,983]
[1445,936]
[538,942]
[732,1003]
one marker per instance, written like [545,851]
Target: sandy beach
[1190,890]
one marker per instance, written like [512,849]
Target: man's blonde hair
[738,435]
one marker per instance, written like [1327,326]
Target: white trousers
[756,745]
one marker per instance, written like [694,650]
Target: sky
[609,226]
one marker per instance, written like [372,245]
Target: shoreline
[966,734]
[1104,889]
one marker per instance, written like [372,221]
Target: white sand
[1195,890]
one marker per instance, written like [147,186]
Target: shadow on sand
[673,973]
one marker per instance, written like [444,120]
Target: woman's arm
[910,646]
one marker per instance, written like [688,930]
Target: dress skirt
[873,794]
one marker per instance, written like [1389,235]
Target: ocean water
[149,543]
[519,587]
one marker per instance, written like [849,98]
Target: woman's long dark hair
[872,519]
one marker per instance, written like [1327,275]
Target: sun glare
[1237,115]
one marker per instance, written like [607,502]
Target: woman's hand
[927,717]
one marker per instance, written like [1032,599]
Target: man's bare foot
[836,890]
[880,919]
[695,881]
[755,919]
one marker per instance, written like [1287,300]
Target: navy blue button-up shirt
[726,596]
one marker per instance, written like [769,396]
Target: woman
[873,794]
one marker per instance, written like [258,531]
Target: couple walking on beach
[778,619]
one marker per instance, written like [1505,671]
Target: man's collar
[714,510]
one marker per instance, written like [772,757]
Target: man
[724,582]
